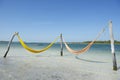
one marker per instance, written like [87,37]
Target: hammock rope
[32,50]
[85,48]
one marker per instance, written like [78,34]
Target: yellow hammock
[35,51]
[85,48]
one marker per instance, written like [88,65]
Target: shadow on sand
[119,68]
[86,60]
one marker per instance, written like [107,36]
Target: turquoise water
[97,51]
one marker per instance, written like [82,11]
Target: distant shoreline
[84,42]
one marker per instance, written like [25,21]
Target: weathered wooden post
[9,44]
[61,43]
[112,46]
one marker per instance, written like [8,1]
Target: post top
[110,21]
[16,33]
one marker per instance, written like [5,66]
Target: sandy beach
[55,68]
[95,64]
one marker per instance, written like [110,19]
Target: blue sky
[44,20]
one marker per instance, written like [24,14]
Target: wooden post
[112,46]
[9,44]
[61,45]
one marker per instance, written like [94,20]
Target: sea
[99,52]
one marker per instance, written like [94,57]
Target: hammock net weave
[85,48]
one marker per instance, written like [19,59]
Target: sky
[44,20]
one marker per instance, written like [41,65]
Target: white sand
[55,68]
